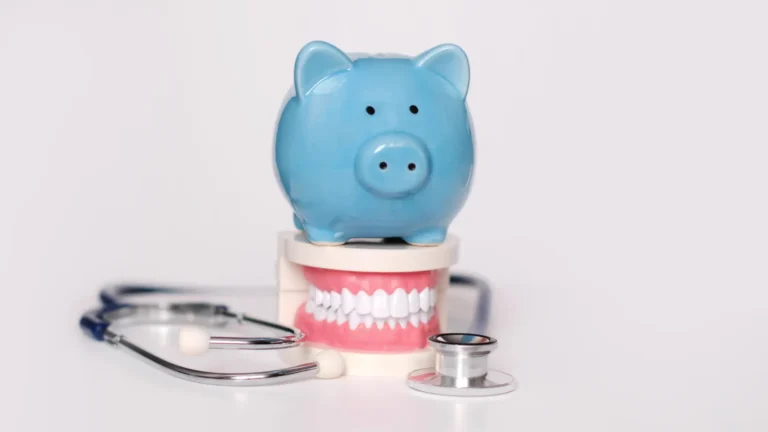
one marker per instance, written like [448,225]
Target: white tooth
[331,317]
[431,313]
[413,301]
[423,317]
[311,292]
[310,306]
[320,313]
[318,297]
[326,299]
[368,321]
[392,323]
[341,317]
[432,296]
[380,323]
[424,300]
[363,303]
[335,300]
[354,320]
[414,319]
[347,301]
[403,323]
[380,307]
[398,304]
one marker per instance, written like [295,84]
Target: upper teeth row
[399,304]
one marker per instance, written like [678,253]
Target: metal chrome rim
[493,384]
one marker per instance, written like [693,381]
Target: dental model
[369,311]
[375,304]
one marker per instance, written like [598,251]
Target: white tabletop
[624,376]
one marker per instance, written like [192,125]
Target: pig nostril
[383,165]
[411,166]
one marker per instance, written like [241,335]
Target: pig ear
[316,61]
[450,62]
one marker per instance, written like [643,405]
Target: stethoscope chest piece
[461,368]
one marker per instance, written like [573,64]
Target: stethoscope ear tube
[483,310]
[113,293]
[238,379]
[94,323]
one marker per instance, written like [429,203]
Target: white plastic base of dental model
[368,256]
[355,363]
[295,251]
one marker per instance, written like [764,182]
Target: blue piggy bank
[376,146]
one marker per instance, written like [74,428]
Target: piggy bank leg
[427,237]
[297,222]
[324,237]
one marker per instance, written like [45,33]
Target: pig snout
[393,165]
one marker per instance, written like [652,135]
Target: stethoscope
[460,358]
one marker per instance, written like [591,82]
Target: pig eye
[414,109]
[370,110]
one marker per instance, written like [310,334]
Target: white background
[619,206]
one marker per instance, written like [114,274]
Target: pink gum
[370,339]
